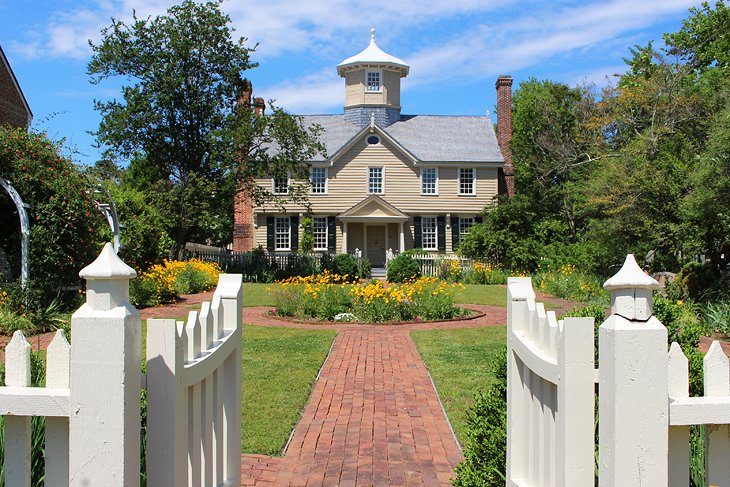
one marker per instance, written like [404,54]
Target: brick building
[14,109]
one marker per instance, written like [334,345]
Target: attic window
[373,81]
[373,139]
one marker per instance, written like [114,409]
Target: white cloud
[312,94]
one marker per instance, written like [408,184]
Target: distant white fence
[92,396]
[644,408]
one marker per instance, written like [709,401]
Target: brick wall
[243,235]
[12,107]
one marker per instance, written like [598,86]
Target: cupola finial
[372,35]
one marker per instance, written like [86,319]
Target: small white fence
[644,408]
[92,396]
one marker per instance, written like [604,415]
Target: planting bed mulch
[474,314]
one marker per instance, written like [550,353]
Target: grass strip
[279,369]
[458,361]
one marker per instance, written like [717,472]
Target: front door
[376,245]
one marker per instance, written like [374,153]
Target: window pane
[375,180]
[281,185]
[428,181]
[319,180]
[428,233]
[281,233]
[466,181]
[373,81]
[465,225]
[320,233]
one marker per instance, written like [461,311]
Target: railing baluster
[17,428]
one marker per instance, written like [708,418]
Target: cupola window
[373,81]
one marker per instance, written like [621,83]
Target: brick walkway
[373,419]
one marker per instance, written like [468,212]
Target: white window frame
[382,179]
[435,232]
[462,221]
[274,188]
[379,73]
[287,225]
[326,232]
[326,180]
[473,181]
[436,181]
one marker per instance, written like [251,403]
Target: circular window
[373,139]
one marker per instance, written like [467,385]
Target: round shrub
[346,265]
[402,268]
[696,282]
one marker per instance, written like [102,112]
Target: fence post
[519,291]
[104,425]
[717,436]
[17,428]
[633,404]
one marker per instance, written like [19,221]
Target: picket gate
[644,408]
[91,400]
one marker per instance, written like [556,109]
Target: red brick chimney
[504,133]
[258,106]
[243,234]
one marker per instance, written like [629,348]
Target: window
[318,180]
[375,180]
[467,181]
[373,139]
[373,81]
[429,180]
[280,185]
[320,232]
[465,225]
[429,238]
[282,233]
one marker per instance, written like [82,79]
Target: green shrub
[481,273]
[346,265]
[696,282]
[365,269]
[485,453]
[403,268]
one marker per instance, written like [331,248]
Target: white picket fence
[644,410]
[92,396]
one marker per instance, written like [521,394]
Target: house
[389,181]
[14,108]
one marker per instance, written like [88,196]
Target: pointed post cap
[108,266]
[631,291]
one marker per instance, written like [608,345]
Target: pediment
[373,208]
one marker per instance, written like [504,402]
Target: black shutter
[454,233]
[417,232]
[478,219]
[441,225]
[331,235]
[294,229]
[270,233]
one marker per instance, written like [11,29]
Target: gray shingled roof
[430,138]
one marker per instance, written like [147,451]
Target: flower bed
[325,296]
[163,283]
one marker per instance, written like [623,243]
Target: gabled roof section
[365,131]
[423,138]
[373,207]
[4,61]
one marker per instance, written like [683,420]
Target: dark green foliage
[64,223]
[365,269]
[695,282]
[485,453]
[346,265]
[403,267]
[306,242]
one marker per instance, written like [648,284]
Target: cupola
[372,85]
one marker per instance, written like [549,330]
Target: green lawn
[258,294]
[279,368]
[458,362]
[480,294]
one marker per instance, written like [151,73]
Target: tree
[176,124]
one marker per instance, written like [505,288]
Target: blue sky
[456,49]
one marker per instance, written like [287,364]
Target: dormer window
[373,80]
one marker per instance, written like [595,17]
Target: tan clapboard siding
[391,85]
[347,184]
[354,88]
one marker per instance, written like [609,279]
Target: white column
[104,426]
[402,238]
[344,237]
[633,406]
